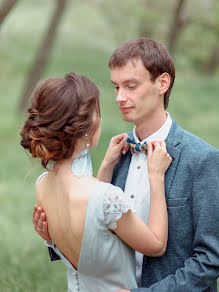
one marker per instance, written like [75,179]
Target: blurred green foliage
[87,36]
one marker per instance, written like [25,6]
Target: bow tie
[137,147]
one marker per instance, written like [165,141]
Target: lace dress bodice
[106,263]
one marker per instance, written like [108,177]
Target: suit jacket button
[132,196]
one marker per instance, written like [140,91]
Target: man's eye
[116,87]
[131,86]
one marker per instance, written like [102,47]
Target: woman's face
[96,135]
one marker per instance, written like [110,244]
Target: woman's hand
[158,159]
[40,224]
[116,148]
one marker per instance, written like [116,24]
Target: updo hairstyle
[61,112]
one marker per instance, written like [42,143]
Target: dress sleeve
[116,203]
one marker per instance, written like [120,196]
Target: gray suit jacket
[191,261]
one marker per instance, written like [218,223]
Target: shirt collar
[160,134]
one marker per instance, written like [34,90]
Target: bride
[92,224]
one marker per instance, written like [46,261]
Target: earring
[87,144]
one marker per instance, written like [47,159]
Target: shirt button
[132,196]
[138,167]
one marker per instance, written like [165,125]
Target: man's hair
[154,56]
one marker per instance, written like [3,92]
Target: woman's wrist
[156,178]
[105,172]
[108,163]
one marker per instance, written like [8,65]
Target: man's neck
[152,125]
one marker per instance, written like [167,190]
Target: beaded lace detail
[115,203]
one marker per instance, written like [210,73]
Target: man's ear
[163,83]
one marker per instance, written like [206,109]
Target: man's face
[137,96]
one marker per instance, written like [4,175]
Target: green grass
[83,48]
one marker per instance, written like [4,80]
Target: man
[143,75]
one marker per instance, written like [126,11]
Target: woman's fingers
[150,149]
[159,145]
[120,142]
[163,145]
[125,148]
[156,145]
[119,138]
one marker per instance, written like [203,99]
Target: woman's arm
[116,148]
[150,239]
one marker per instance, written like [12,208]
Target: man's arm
[202,269]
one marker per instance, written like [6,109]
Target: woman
[92,223]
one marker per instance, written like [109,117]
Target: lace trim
[115,203]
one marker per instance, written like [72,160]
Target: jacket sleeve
[201,270]
[53,255]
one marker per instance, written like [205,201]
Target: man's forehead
[134,62]
[132,71]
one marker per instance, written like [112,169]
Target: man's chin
[128,119]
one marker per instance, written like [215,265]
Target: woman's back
[64,198]
[82,238]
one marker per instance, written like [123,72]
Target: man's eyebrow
[127,81]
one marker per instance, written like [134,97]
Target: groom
[143,75]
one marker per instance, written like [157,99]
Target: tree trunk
[213,61]
[42,55]
[176,26]
[5,8]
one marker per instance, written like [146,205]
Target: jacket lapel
[121,170]
[173,143]
[123,167]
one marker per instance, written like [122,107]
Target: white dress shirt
[137,183]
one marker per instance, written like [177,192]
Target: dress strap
[39,178]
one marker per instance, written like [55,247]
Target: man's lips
[125,109]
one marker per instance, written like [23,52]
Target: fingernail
[38,209]
[123,152]
[125,139]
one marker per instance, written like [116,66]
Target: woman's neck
[66,164]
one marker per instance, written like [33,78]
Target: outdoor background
[44,38]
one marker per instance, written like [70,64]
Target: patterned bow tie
[137,147]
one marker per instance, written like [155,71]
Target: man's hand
[40,224]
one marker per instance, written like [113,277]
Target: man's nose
[120,97]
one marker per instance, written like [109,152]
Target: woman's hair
[61,112]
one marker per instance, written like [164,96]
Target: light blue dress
[106,263]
